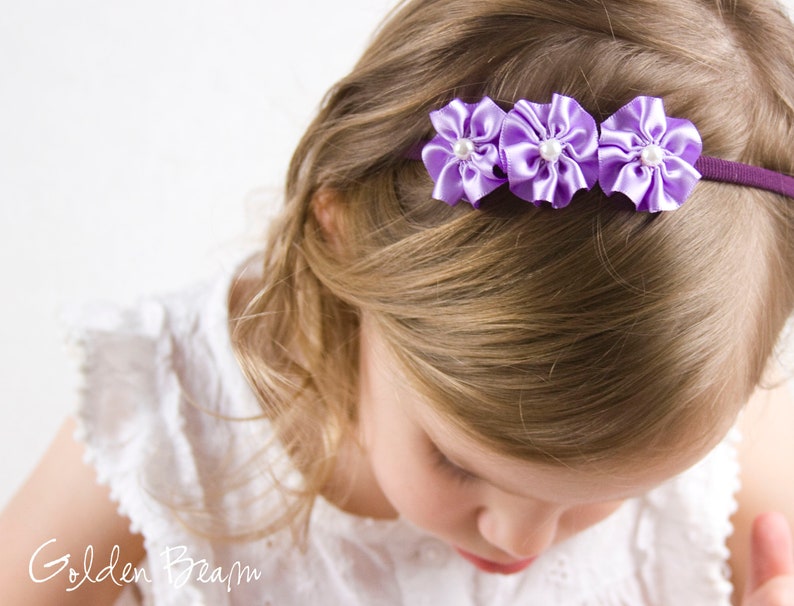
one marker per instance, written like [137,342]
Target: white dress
[150,374]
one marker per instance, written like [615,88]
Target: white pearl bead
[463,149]
[550,150]
[652,155]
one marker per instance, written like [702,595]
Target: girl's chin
[495,567]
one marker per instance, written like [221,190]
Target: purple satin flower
[549,150]
[463,158]
[647,156]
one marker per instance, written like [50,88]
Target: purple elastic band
[726,171]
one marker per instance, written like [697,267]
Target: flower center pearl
[463,149]
[550,150]
[651,155]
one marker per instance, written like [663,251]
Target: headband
[548,152]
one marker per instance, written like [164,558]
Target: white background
[141,144]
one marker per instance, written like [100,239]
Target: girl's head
[592,336]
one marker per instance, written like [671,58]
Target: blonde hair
[588,335]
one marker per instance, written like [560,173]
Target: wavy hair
[591,335]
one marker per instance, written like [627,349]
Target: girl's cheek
[429,498]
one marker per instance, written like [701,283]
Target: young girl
[534,260]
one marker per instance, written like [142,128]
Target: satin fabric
[626,133]
[506,147]
[475,177]
[527,126]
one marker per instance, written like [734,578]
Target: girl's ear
[325,207]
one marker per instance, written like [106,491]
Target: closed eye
[442,462]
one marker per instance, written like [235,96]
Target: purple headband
[548,152]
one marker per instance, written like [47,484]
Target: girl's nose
[521,532]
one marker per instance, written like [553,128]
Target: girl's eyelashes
[441,461]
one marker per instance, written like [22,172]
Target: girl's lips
[489,566]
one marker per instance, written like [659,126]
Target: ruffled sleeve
[126,395]
[149,378]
